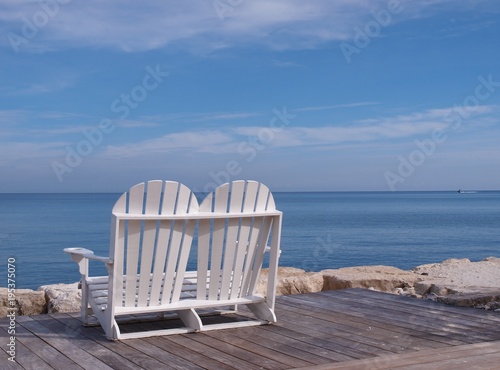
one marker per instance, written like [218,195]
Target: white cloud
[201,141]
[146,25]
[286,64]
[14,153]
[333,135]
[51,81]
[223,116]
[366,131]
[335,106]
[41,88]
[135,123]
[193,117]
[23,123]
[11,116]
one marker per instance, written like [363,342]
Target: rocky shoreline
[457,282]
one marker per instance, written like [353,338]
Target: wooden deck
[347,329]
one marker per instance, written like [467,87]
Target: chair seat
[98,289]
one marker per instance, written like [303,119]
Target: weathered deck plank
[23,354]
[32,341]
[467,319]
[66,346]
[414,321]
[214,352]
[470,356]
[71,327]
[196,357]
[383,335]
[351,329]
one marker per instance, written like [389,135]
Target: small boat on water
[460,191]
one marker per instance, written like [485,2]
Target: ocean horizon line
[463,191]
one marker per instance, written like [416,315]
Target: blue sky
[301,95]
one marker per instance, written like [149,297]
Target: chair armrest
[86,253]
[81,257]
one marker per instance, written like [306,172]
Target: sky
[344,95]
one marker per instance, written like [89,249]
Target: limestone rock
[463,272]
[382,278]
[26,302]
[408,291]
[478,297]
[293,281]
[423,287]
[492,260]
[62,297]
[461,282]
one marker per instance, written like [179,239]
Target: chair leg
[262,311]
[85,303]
[190,318]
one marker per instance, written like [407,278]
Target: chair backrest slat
[133,239]
[183,201]
[235,192]
[164,231]
[147,240]
[264,201]
[237,189]
[229,251]
[239,259]
[153,197]
[246,229]
[147,250]
[187,239]
[117,246]
[260,247]
[250,196]
[203,267]
[169,198]
[136,199]
[172,257]
[251,252]
[215,258]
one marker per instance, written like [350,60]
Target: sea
[321,230]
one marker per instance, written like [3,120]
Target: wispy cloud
[135,123]
[54,85]
[201,141]
[11,116]
[148,25]
[24,123]
[13,153]
[194,117]
[366,131]
[335,106]
[286,64]
[58,115]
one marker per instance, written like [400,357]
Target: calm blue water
[320,230]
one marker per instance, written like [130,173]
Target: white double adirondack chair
[152,231]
